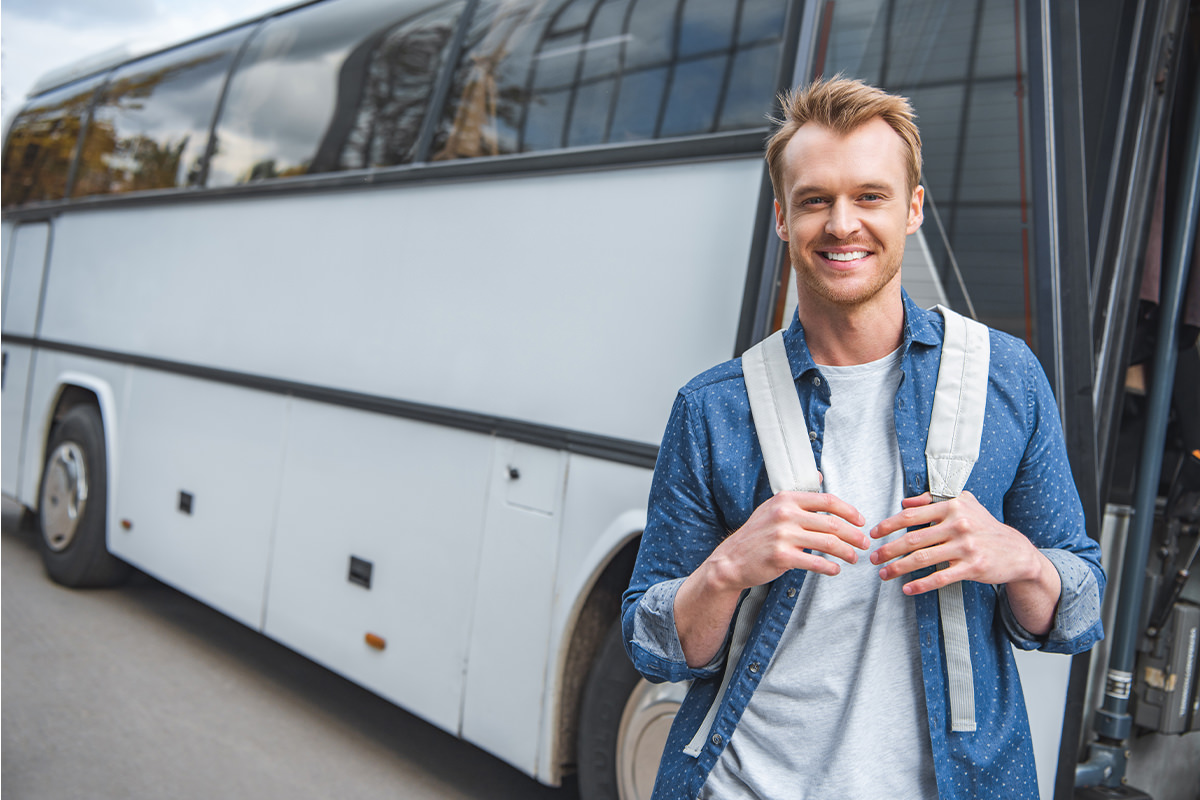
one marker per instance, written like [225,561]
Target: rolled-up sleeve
[1078,609]
[654,628]
[1044,505]
[681,531]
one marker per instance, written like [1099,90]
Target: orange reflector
[127,524]
[375,640]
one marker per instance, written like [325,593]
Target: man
[841,689]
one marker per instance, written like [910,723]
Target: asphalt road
[142,692]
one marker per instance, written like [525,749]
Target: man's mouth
[853,255]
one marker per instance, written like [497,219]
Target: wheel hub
[64,495]
[645,723]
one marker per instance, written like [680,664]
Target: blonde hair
[842,104]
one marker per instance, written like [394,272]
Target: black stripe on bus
[608,448]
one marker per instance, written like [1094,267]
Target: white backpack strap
[956,427]
[737,643]
[779,418]
[951,450]
[783,436]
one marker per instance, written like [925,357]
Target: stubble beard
[845,293]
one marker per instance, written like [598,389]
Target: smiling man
[838,686]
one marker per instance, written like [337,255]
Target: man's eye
[872,198]
[812,201]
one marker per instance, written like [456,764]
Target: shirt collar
[919,327]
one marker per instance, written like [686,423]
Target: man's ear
[916,210]
[781,222]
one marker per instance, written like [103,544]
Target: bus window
[538,75]
[961,65]
[150,127]
[42,144]
[332,87]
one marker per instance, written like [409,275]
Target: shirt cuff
[654,625]
[1078,604]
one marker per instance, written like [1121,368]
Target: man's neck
[838,336]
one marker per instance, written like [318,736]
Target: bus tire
[72,504]
[623,726]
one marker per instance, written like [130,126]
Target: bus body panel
[7,231]
[604,509]
[1044,679]
[18,361]
[200,473]
[25,248]
[366,292]
[407,498]
[510,631]
[23,278]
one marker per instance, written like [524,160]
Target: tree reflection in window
[150,128]
[42,144]
[332,87]
[547,74]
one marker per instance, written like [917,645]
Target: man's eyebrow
[872,186]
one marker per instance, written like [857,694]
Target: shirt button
[791,591]
[716,739]
[812,436]
[754,667]
[816,380]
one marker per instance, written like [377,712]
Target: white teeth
[857,254]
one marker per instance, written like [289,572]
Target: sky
[37,36]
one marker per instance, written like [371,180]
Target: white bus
[360,321]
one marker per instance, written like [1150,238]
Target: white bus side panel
[7,229]
[510,635]
[220,445]
[408,498]
[23,269]
[17,362]
[24,278]
[605,508]
[541,298]
[1044,679]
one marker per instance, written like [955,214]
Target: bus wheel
[623,726]
[73,504]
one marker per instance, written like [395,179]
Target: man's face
[848,211]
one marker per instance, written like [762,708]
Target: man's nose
[843,219]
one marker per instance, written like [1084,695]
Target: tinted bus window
[538,75]
[150,128]
[961,65]
[332,87]
[42,145]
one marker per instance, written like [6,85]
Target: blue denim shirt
[710,477]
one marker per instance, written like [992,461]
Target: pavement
[142,692]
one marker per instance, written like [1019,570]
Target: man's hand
[976,547]
[772,541]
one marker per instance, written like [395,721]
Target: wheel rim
[645,723]
[64,495]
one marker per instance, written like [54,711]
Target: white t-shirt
[840,711]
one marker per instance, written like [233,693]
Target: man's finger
[825,503]
[916,560]
[927,514]
[934,581]
[910,542]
